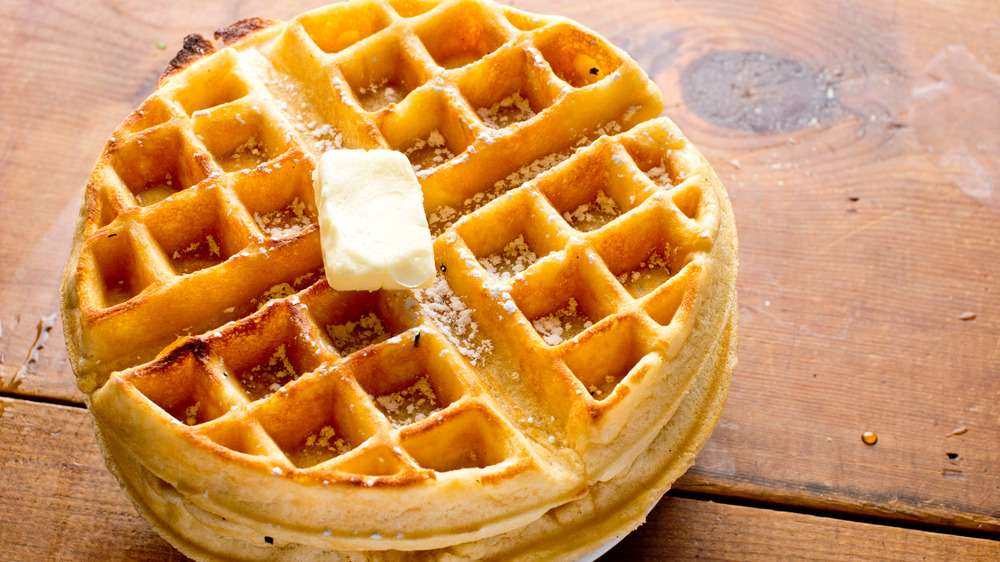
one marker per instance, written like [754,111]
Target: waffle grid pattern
[245,129]
[323,406]
[573,265]
[208,376]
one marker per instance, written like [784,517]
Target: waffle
[565,367]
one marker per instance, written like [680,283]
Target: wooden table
[860,143]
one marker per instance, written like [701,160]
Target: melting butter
[372,224]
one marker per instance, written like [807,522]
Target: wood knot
[758,92]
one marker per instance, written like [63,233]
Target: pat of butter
[371,221]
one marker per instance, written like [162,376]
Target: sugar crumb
[454,318]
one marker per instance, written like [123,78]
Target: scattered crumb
[444,217]
[430,152]
[591,216]
[45,325]
[378,95]
[967,316]
[410,405]
[647,276]
[510,110]
[514,258]
[284,222]
[454,318]
[279,291]
[562,324]
[660,176]
[191,413]
[325,443]
[352,336]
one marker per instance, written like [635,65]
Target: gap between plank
[43,400]
[835,514]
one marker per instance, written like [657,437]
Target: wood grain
[866,234]
[858,259]
[60,503]
[683,529]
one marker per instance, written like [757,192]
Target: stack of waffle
[564,369]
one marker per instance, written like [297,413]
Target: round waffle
[566,366]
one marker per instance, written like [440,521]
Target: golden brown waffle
[583,316]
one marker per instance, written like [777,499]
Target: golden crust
[194,48]
[230,35]
[565,369]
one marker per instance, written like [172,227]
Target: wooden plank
[864,237]
[684,529]
[860,253]
[57,499]
[60,503]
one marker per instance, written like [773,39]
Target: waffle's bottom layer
[608,512]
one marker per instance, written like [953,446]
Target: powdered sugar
[445,216]
[323,136]
[277,291]
[593,215]
[454,318]
[660,176]
[647,275]
[380,94]
[284,222]
[409,405]
[510,110]
[354,335]
[250,154]
[321,445]
[562,324]
[429,153]
[514,258]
